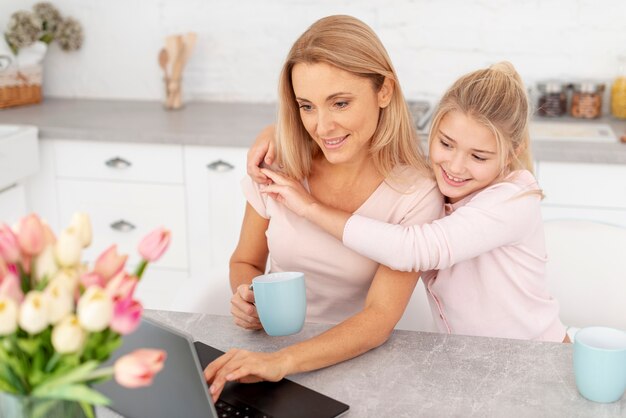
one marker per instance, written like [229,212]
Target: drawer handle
[118,162]
[122,226]
[220,166]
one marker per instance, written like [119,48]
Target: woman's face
[463,155]
[338,109]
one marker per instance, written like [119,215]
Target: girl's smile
[464,156]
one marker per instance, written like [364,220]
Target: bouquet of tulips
[60,318]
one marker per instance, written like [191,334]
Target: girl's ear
[385,93]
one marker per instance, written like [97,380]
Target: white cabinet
[215,211]
[12,204]
[127,190]
[583,191]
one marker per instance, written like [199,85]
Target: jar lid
[551,86]
[589,87]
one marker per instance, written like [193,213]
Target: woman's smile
[334,143]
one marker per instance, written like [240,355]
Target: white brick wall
[242,43]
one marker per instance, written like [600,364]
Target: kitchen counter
[422,374]
[227,124]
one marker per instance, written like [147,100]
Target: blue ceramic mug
[280,300]
[600,363]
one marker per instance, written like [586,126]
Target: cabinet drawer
[124,213]
[119,161]
[584,185]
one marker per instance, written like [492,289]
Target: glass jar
[618,90]
[552,98]
[587,100]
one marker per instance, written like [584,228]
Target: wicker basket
[20,86]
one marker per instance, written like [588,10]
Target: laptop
[179,389]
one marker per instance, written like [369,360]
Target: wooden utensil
[163,60]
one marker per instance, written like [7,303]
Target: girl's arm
[294,196]
[386,300]
[260,154]
[247,262]
[495,217]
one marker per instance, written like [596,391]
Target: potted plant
[27,37]
[60,319]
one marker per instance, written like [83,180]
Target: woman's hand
[243,309]
[244,366]
[289,192]
[260,154]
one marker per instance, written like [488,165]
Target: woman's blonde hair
[497,98]
[350,45]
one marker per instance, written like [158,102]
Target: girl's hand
[243,309]
[245,367]
[289,192]
[261,154]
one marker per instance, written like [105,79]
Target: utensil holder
[173,97]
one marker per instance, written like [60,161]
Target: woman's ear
[385,93]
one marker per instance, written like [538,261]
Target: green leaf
[5,385]
[42,284]
[87,409]
[29,345]
[76,375]
[73,392]
[104,351]
[12,378]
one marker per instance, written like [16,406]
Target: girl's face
[338,109]
[463,155]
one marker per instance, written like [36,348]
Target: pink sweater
[490,255]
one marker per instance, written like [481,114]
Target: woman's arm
[247,262]
[386,300]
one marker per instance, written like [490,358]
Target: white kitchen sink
[19,153]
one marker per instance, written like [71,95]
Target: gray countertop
[421,374]
[226,124]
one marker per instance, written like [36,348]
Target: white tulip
[8,315]
[68,248]
[33,316]
[81,223]
[68,336]
[68,278]
[45,264]
[60,300]
[95,309]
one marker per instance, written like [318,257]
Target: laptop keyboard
[226,410]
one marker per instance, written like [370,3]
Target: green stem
[140,268]
[24,279]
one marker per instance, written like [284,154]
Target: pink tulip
[154,244]
[109,263]
[126,316]
[138,368]
[31,235]
[4,269]
[48,235]
[10,287]
[122,286]
[9,247]
[92,279]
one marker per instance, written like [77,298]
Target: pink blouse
[490,253]
[337,278]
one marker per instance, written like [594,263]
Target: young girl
[489,250]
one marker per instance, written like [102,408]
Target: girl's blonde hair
[350,45]
[495,97]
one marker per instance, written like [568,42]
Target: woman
[344,130]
